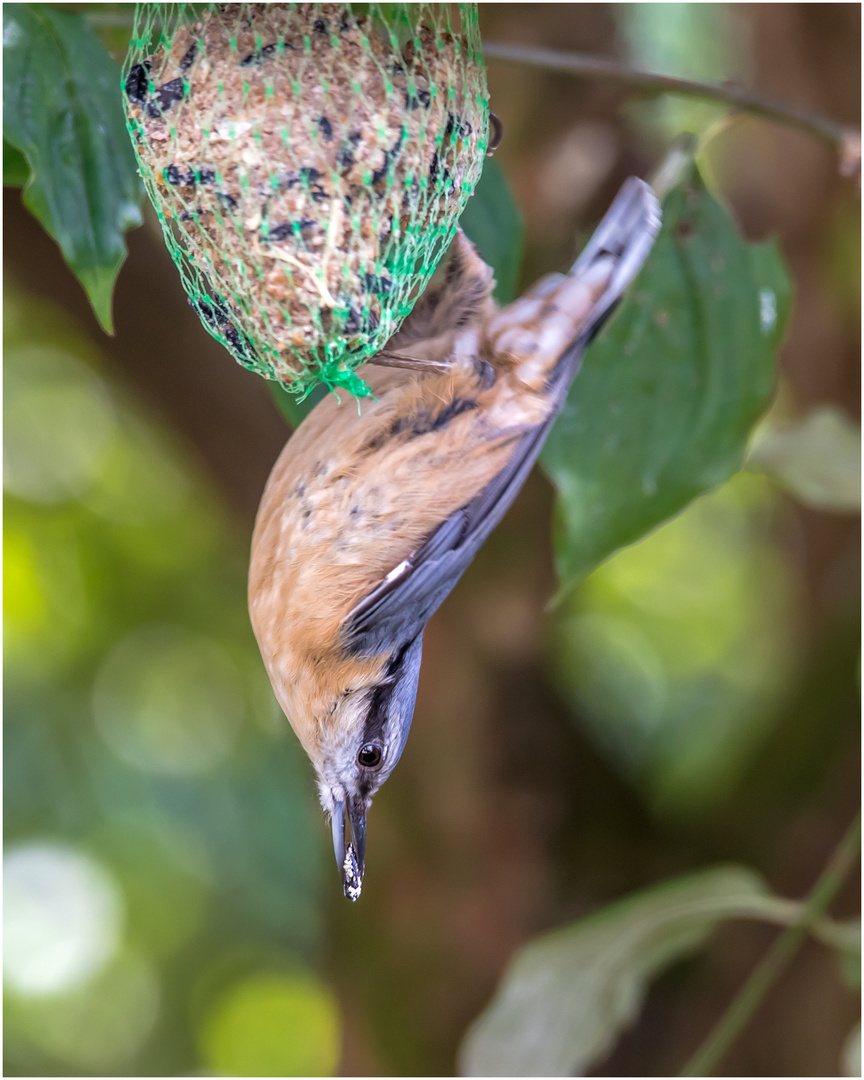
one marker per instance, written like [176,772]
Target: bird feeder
[308,164]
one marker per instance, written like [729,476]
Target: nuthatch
[368,520]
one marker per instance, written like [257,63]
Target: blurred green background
[170,903]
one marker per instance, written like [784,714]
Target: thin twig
[596,67]
[750,996]
[678,159]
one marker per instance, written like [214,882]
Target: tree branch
[762,978]
[841,136]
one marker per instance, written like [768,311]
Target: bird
[371,514]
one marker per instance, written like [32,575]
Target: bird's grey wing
[399,608]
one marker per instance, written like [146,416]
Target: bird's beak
[350,855]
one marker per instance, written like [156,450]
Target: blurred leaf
[99,1027]
[818,459]
[566,997]
[294,410]
[845,939]
[851,1061]
[672,386]
[62,109]
[98,549]
[492,222]
[16,171]
[698,41]
[675,653]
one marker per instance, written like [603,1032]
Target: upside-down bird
[369,519]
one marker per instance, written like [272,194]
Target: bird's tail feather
[543,334]
[626,234]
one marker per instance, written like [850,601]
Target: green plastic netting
[308,163]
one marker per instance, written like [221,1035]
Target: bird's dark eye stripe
[369,756]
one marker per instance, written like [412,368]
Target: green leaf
[16,171]
[493,224]
[818,459]
[566,996]
[671,387]
[63,111]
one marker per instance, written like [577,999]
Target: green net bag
[308,163]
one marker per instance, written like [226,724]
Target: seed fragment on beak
[352,881]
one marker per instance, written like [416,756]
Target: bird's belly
[352,497]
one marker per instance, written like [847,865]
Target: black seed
[189,57]
[264,53]
[213,311]
[387,230]
[461,129]
[318,193]
[319,26]
[345,158]
[287,229]
[413,100]
[138,82]
[206,176]
[281,232]
[380,285]
[389,156]
[166,95]
[232,337]
[203,309]
[302,176]
[227,201]
[174,176]
[215,314]
[170,92]
[238,342]
[354,322]
[359,322]
[326,129]
[435,169]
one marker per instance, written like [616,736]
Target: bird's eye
[369,756]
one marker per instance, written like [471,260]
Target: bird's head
[355,747]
